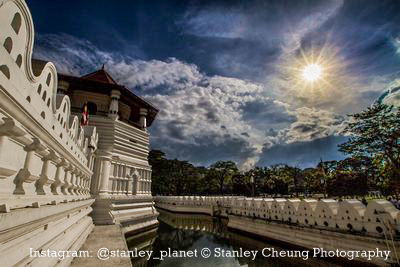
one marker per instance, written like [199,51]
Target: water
[190,232]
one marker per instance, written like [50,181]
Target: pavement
[103,236]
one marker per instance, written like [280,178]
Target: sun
[312,72]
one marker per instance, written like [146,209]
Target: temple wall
[122,180]
[45,155]
[80,97]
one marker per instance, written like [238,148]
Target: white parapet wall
[45,155]
[380,217]
[309,223]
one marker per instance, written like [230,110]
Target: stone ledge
[15,218]
[104,236]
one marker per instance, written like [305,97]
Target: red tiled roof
[101,76]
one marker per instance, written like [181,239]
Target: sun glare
[312,72]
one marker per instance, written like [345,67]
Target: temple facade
[121,182]
[73,151]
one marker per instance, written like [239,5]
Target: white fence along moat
[309,223]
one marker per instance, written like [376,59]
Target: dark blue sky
[227,75]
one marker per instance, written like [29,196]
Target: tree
[312,180]
[375,133]
[160,182]
[223,171]
[278,179]
[239,184]
[173,176]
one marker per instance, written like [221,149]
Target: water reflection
[194,232]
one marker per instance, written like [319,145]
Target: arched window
[92,108]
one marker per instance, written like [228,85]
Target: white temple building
[121,181]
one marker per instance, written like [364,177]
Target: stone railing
[43,150]
[124,152]
[380,217]
[121,180]
[46,157]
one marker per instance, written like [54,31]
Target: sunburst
[312,72]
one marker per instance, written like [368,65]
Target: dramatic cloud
[228,77]
[313,124]
[196,111]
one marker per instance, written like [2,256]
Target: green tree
[239,185]
[375,133]
[312,180]
[159,167]
[278,179]
[222,172]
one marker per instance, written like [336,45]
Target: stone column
[113,109]
[67,178]
[72,184]
[91,158]
[150,187]
[143,122]
[79,187]
[88,183]
[139,186]
[150,181]
[136,180]
[25,175]
[57,179]
[44,176]
[130,185]
[8,129]
[104,174]
[84,185]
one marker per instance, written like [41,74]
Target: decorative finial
[102,66]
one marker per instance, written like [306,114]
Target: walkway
[104,236]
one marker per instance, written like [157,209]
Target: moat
[193,232]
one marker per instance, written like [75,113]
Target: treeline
[373,165]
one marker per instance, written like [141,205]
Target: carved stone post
[7,129]
[57,180]
[73,185]
[130,185]
[139,183]
[87,185]
[67,179]
[79,187]
[24,175]
[44,176]
[104,174]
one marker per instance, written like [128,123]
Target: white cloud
[308,24]
[312,124]
[199,113]
[153,73]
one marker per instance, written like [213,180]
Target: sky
[228,76]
